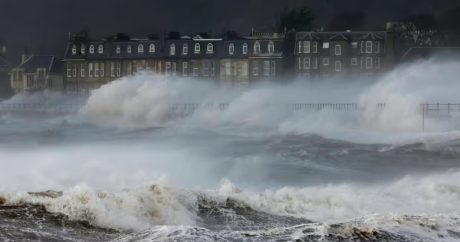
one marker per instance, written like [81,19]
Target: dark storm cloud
[42,25]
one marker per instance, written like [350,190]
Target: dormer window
[140,48]
[118,49]
[129,49]
[74,50]
[231,49]
[271,47]
[91,49]
[83,49]
[197,48]
[185,49]
[210,48]
[257,48]
[100,49]
[172,49]
[245,48]
[152,48]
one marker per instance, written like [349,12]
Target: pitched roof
[49,62]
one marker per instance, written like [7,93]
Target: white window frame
[91,49]
[315,47]
[300,63]
[102,69]
[363,47]
[326,61]
[338,49]
[245,48]
[172,49]
[69,70]
[112,69]
[209,48]
[368,63]
[118,49]
[300,47]
[129,49]
[100,49]
[96,69]
[338,66]
[306,47]
[197,48]
[83,49]
[118,68]
[152,48]
[82,70]
[140,48]
[184,49]
[377,47]
[90,69]
[271,47]
[369,47]
[306,63]
[185,68]
[231,49]
[354,61]
[74,49]
[257,47]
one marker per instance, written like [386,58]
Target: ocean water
[126,168]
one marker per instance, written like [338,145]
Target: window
[197,48]
[69,70]
[266,68]
[377,47]
[82,70]
[363,47]
[210,48]
[228,68]
[306,47]
[306,63]
[83,49]
[271,47]
[326,45]
[368,47]
[96,69]
[102,70]
[273,68]
[300,47]
[100,49]
[231,49]
[90,70]
[377,63]
[255,68]
[245,48]
[338,50]
[184,68]
[74,50]
[140,48]
[325,61]
[354,61]
[354,45]
[118,49]
[91,49]
[368,62]
[257,48]
[315,47]
[168,67]
[112,69]
[185,49]
[172,49]
[300,63]
[338,66]
[152,48]
[129,49]
[118,69]
[315,63]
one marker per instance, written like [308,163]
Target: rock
[49,193]
[2,201]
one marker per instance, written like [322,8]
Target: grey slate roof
[49,62]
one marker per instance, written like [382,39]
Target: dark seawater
[223,186]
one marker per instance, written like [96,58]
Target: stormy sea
[135,163]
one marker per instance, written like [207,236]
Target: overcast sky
[42,25]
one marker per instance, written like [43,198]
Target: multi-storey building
[37,72]
[90,64]
[324,54]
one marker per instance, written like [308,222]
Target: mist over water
[128,161]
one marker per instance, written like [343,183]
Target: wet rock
[49,193]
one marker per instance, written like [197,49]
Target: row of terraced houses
[229,60]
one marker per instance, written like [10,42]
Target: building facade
[37,72]
[330,54]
